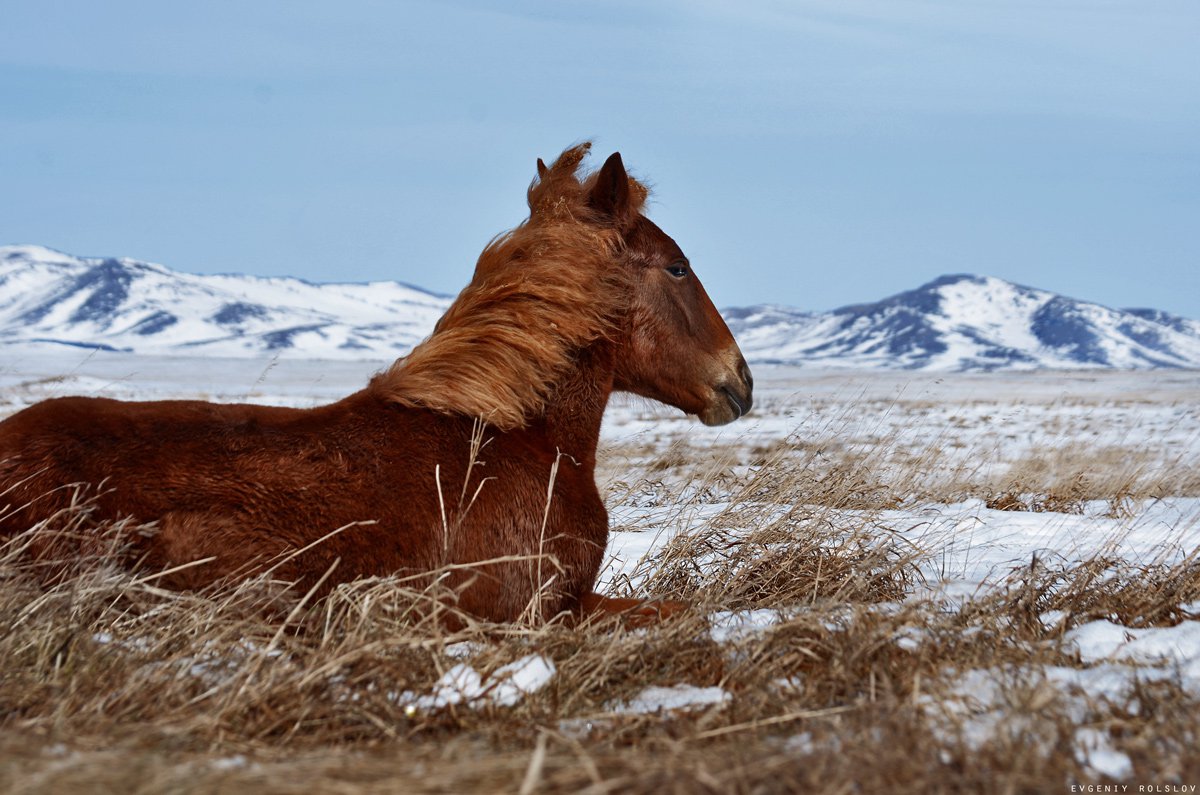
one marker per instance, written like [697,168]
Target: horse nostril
[740,404]
[744,372]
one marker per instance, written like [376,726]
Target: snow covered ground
[962,428]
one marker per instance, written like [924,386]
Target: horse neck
[576,406]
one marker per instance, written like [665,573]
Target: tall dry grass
[111,684]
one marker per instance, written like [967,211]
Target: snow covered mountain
[123,304]
[952,323]
[967,322]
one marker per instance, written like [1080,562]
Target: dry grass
[110,684]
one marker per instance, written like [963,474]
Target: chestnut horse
[474,454]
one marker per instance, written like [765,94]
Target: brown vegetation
[113,684]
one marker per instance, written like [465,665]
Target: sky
[807,153]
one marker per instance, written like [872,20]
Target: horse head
[586,266]
[674,346]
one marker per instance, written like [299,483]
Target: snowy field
[1036,502]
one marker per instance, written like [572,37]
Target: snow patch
[654,700]
[462,684]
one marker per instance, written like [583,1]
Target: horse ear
[541,169]
[610,193]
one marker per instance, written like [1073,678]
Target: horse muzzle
[732,397]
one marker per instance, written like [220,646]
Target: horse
[474,454]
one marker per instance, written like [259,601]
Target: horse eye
[678,270]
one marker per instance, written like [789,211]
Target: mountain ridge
[970,322]
[123,304]
[954,322]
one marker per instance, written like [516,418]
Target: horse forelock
[540,293]
[561,193]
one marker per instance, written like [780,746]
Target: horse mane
[540,293]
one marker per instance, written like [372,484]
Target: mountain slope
[969,323]
[952,323]
[123,304]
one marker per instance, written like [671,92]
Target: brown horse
[474,454]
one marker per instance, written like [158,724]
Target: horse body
[449,459]
[248,484]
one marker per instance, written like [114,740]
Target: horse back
[146,459]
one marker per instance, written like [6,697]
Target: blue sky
[804,153]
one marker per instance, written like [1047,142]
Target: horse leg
[632,612]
